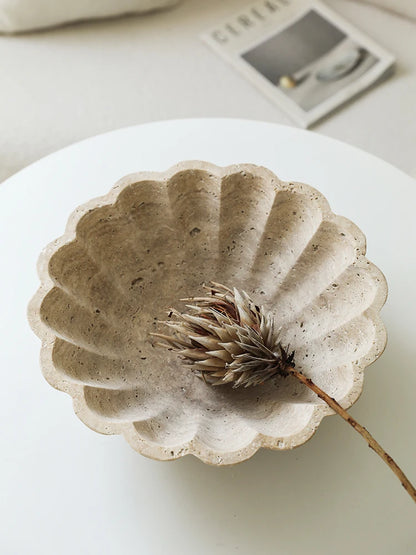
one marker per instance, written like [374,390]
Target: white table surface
[66,489]
[69,83]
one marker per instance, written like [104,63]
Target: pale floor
[64,85]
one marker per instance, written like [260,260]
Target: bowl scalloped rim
[195,446]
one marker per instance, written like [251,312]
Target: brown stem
[360,429]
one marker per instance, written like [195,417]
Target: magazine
[301,54]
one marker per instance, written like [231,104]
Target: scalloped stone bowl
[157,237]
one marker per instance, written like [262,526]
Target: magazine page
[301,54]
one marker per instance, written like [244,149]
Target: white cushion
[25,15]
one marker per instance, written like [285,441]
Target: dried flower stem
[372,443]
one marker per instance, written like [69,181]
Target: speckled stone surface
[157,237]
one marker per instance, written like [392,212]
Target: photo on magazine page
[310,60]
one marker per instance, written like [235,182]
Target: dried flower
[227,338]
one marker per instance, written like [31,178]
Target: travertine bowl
[157,237]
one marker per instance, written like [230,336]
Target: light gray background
[66,84]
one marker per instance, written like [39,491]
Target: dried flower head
[227,338]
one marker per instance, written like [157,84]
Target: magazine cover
[302,55]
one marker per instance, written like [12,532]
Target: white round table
[66,489]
